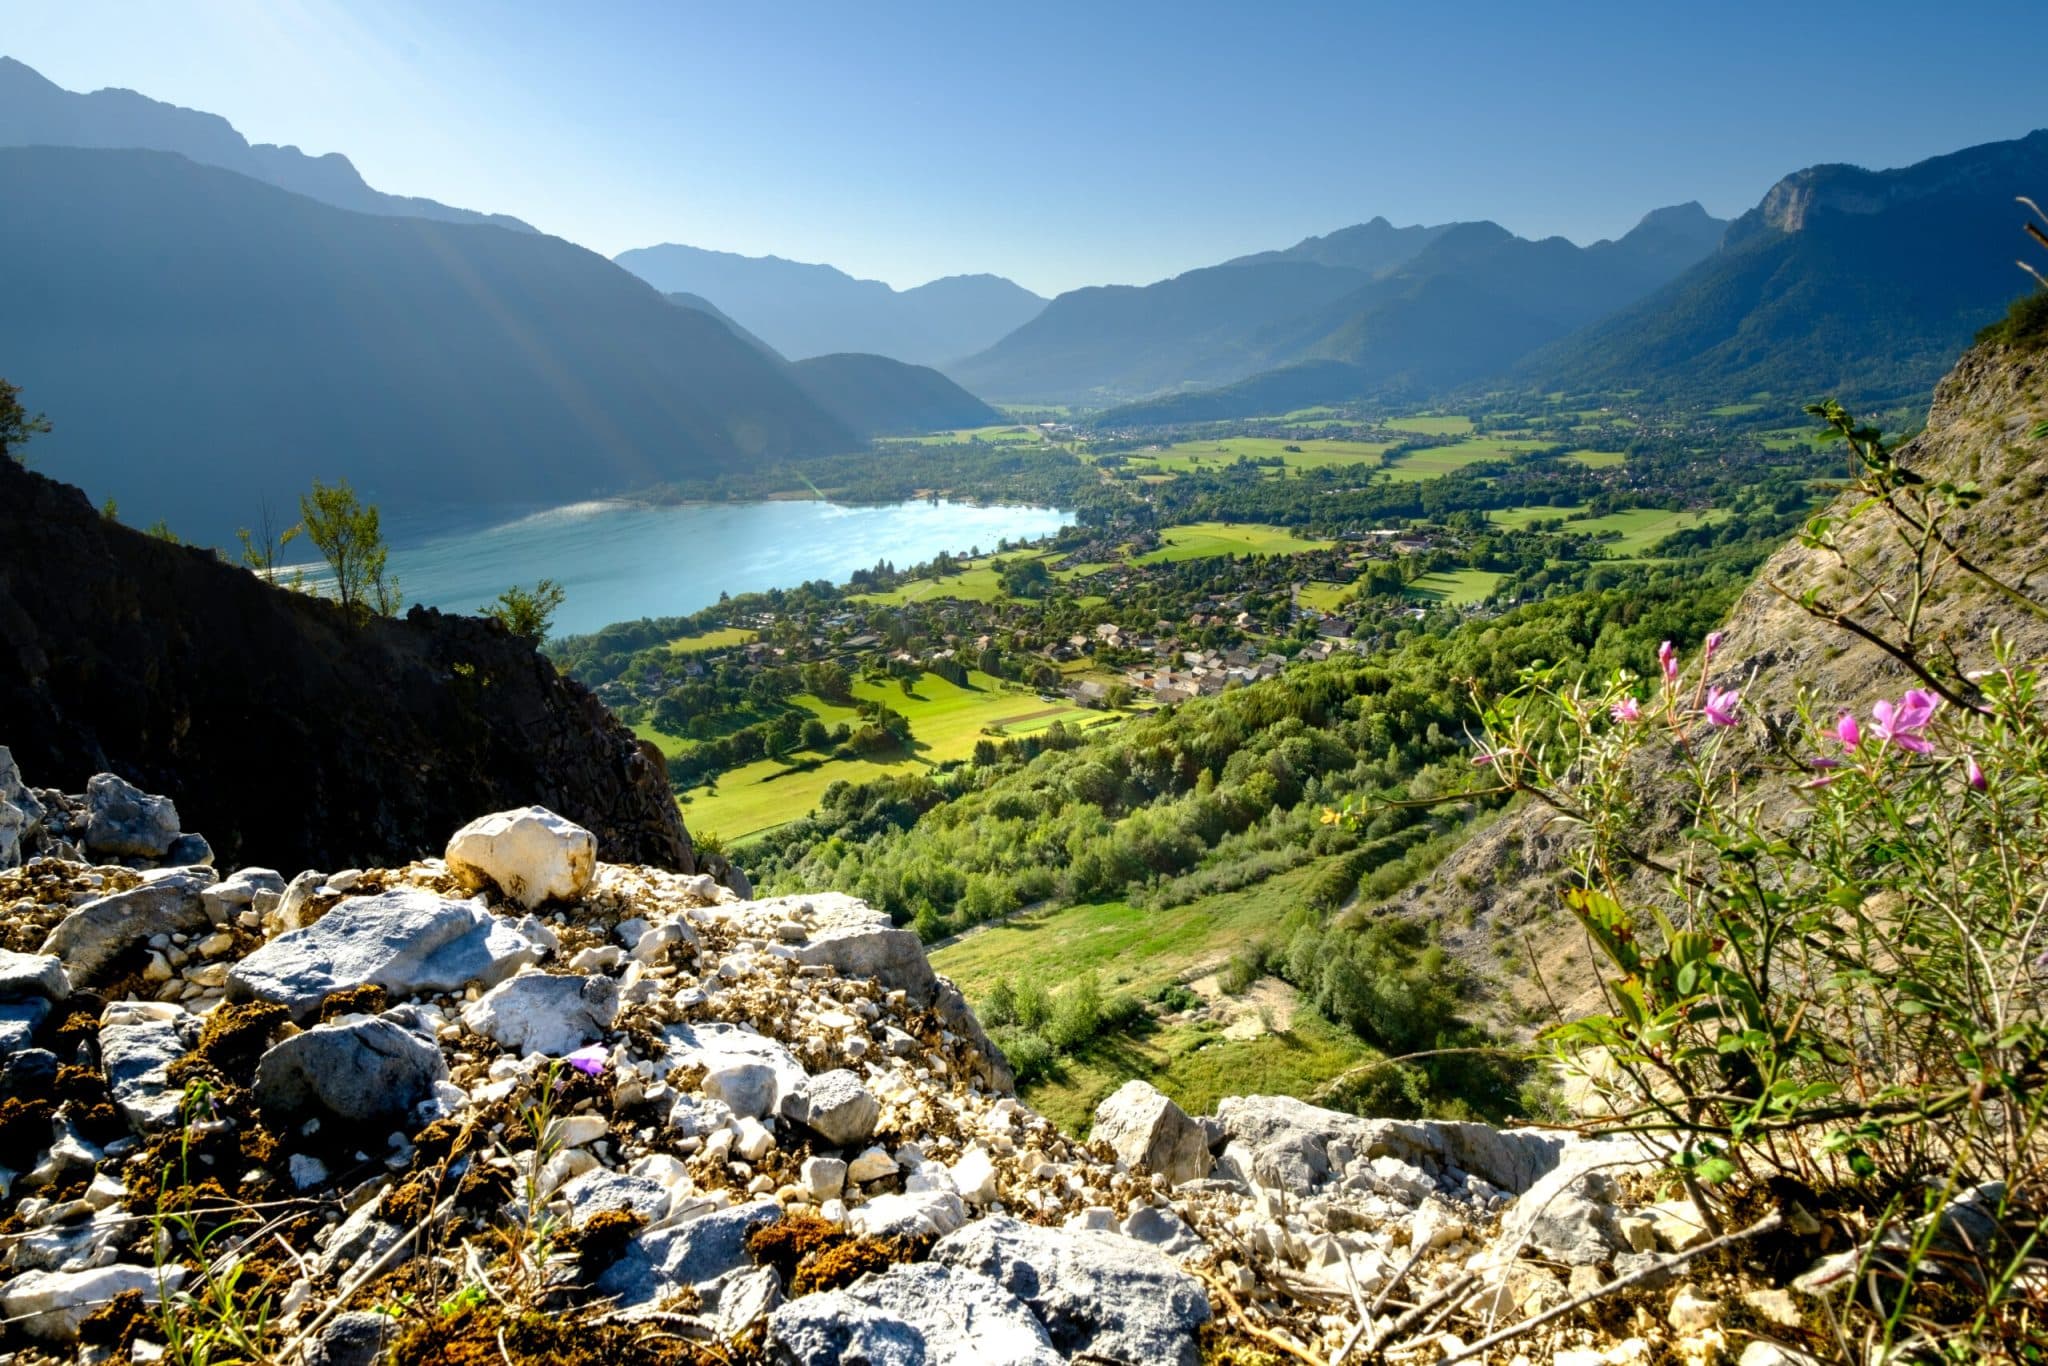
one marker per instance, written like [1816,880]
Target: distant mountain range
[206,343]
[1418,308]
[874,395]
[1847,282]
[35,112]
[809,310]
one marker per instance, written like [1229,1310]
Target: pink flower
[1667,659]
[1901,723]
[1974,775]
[1626,711]
[1714,639]
[1482,758]
[1847,731]
[589,1061]
[1720,705]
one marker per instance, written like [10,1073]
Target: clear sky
[1062,144]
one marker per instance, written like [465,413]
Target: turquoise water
[620,563]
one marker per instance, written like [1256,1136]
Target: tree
[264,547]
[17,424]
[527,614]
[349,535]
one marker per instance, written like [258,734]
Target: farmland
[945,721]
[1199,540]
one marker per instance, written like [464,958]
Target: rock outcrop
[658,1108]
[278,724]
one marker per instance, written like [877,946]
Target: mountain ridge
[35,111]
[438,363]
[806,309]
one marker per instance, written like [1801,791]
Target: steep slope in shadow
[287,735]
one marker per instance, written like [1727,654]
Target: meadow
[1639,528]
[1456,587]
[1308,453]
[1433,461]
[945,722]
[1200,540]
[1431,424]
[1138,952]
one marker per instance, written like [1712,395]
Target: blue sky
[1064,144]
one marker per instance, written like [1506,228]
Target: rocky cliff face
[1502,884]
[280,726]
[541,1108]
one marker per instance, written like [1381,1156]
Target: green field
[1140,951]
[724,638]
[1200,540]
[979,581]
[999,435]
[1640,528]
[1456,587]
[1324,597]
[1598,460]
[1430,424]
[945,721]
[1430,463]
[1188,456]
[1736,409]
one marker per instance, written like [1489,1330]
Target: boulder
[19,1021]
[21,815]
[659,1262]
[538,1013]
[357,1071]
[600,1190]
[136,1058]
[1161,1228]
[23,975]
[238,889]
[921,1315]
[531,855]
[858,941]
[49,1305]
[913,1214]
[101,930]
[1570,1216]
[1152,1134]
[726,1052]
[1096,1294]
[353,1339]
[407,941]
[125,822]
[1285,1143]
[836,1107]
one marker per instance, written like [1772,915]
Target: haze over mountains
[1841,281]
[1418,307]
[36,112]
[207,343]
[810,310]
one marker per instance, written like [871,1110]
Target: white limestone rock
[531,855]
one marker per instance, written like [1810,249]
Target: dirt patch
[1266,1007]
[488,1336]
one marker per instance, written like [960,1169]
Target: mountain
[1979,431]
[1478,298]
[1372,247]
[811,310]
[877,396]
[1111,341]
[122,652]
[706,307]
[1366,309]
[1862,284]
[36,112]
[873,395]
[206,343]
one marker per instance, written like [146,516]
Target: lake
[620,562]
